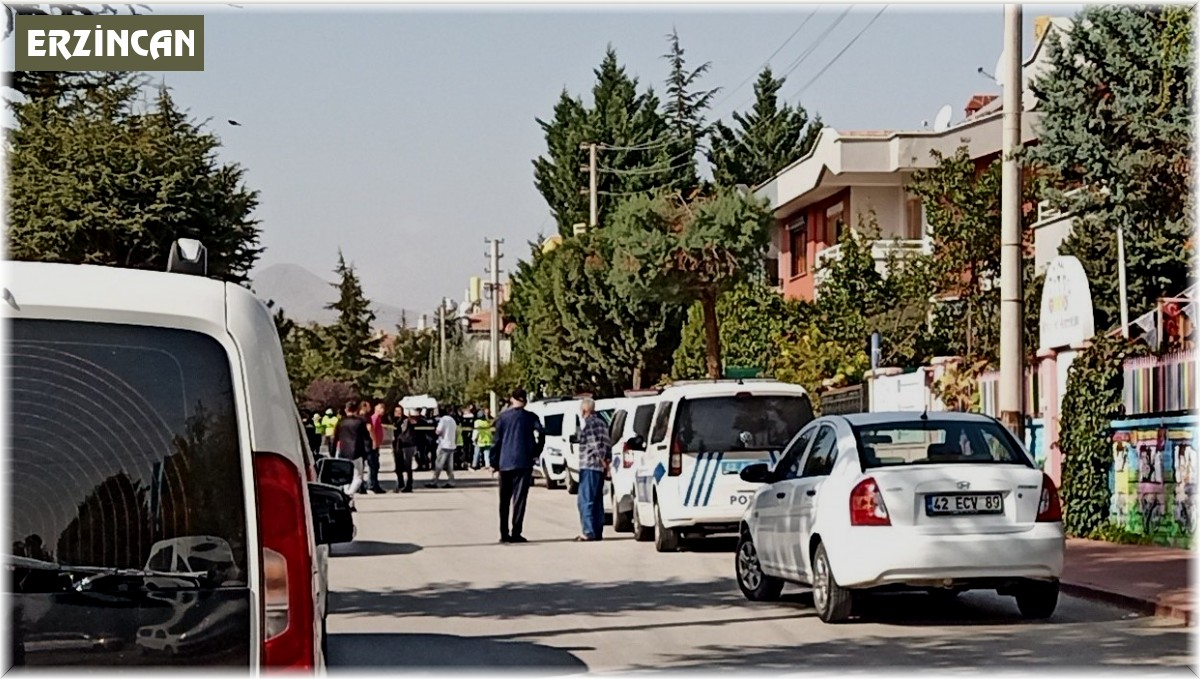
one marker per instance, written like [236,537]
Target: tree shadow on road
[1070,645]
[446,651]
[372,548]
[533,598]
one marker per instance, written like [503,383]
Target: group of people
[460,435]
[510,446]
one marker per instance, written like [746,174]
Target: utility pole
[1121,281]
[593,195]
[442,336]
[493,288]
[1012,311]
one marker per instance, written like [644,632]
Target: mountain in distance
[303,296]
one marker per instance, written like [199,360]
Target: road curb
[1155,608]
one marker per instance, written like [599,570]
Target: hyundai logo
[963,485]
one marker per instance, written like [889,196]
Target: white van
[154,438]
[687,482]
[631,421]
[552,465]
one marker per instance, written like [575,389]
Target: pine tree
[1116,122]
[352,341]
[683,110]
[768,138]
[95,180]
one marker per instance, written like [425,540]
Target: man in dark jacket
[353,441]
[404,448]
[517,445]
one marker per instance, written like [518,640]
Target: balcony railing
[880,250]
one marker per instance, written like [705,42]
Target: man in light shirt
[447,437]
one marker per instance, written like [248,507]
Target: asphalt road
[426,585]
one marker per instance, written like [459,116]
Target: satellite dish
[999,69]
[942,121]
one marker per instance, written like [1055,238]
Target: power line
[767,62]
[843,51]
[640,147]
[820,39]
[790,68]
[650,170]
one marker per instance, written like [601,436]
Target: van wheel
[572,484]
[665,539]
[640,533]
[1037,599]
[551,484]
[755,585]
[622,521]
[832,601]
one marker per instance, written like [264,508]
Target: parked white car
[195,469]
[557,426]
[704,433]
[628,431]
[940,502]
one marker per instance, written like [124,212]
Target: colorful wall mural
[1153,478]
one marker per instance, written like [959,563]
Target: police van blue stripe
[709,460]
[691,484]
[712,482]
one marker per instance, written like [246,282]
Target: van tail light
[1049,506]
[676,459]
[626,456]
[866,505]
[288,615]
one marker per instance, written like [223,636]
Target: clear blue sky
[404,136]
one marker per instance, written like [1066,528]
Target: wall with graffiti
[1153,478]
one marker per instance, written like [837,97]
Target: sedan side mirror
[333,471]
[332,521]
[573,438]
[756,473]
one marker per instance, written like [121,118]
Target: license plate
[736,466]
[976,503]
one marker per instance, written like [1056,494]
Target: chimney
[1040,24]
[977,102]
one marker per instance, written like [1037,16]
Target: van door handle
[780,495]
[811,492]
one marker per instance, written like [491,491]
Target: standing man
[404,448]
[519,440]
[376,423]
[483,440]
[311,432]
[353,440]
[447,436]
[595,454]
[467,421]
[328,424]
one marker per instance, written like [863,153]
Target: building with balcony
[851,174]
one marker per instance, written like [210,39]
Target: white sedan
[940,502]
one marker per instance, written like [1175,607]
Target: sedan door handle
[780,495]
[811,492]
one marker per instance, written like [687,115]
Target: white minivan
[630,425]
[159,476]
[687,482]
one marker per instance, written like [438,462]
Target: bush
[1092,401]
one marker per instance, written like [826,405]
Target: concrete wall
[888,204]
[1153,478]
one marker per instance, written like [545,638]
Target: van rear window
[124,450]
[726,423]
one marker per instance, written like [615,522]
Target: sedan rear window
[124,450]
[725,423]
[936,441]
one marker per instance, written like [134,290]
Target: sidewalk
[1153,580]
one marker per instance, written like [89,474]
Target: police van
[688,481]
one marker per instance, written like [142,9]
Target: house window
[798,233]
[835,220]
[914,227]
